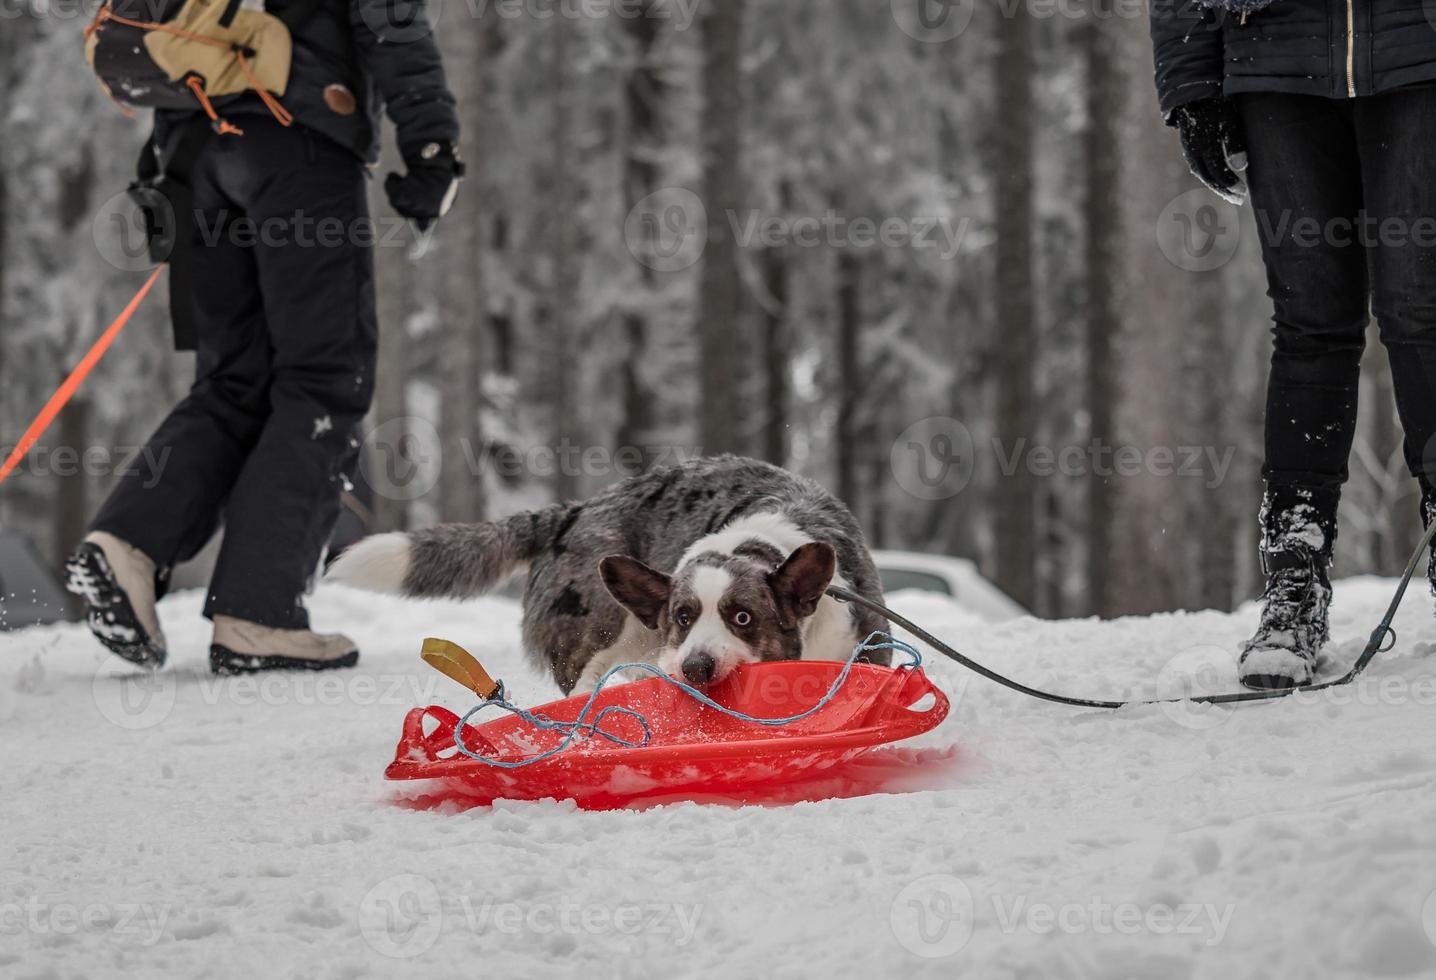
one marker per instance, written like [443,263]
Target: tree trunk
[643,94]
[388,422]
[775,357]
[1103,272]
[9,67]
[462,311]
[1147,576]
[567,482]
[72,496]
[723,412]
[850,326]
[4,241]
[1016,333]
[1209,395]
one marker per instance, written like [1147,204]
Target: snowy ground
[189,827]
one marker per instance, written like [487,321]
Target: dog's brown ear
[638,588]
[799,583]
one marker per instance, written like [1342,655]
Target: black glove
[427,191]
[1214,145]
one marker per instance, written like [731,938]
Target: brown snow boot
[117,583]
[247,648]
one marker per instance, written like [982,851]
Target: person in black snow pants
[281,301]
[1326,110]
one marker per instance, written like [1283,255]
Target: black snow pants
[267,438]
[1345,199]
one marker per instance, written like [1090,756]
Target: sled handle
[417,747]
[901,716]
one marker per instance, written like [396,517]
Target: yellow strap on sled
[456,663]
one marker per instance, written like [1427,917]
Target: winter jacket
[1332,48]
[354,59]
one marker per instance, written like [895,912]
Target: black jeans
[1345,199]
[287,332]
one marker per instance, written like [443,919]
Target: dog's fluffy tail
[451,561]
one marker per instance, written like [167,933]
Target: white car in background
[956,578]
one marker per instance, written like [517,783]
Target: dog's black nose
[698,668]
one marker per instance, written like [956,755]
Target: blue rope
[581,726]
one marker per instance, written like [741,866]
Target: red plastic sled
[693,750]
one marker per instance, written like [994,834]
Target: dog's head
[718,611]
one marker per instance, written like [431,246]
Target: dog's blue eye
[742,618]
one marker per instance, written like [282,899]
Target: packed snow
[182,825]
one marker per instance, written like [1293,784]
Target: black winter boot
[1428,514]
[1297,540]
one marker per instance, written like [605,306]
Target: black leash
[1382,640]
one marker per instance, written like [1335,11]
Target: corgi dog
[697,567]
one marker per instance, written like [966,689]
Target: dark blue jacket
[1333,48]
[382,53]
